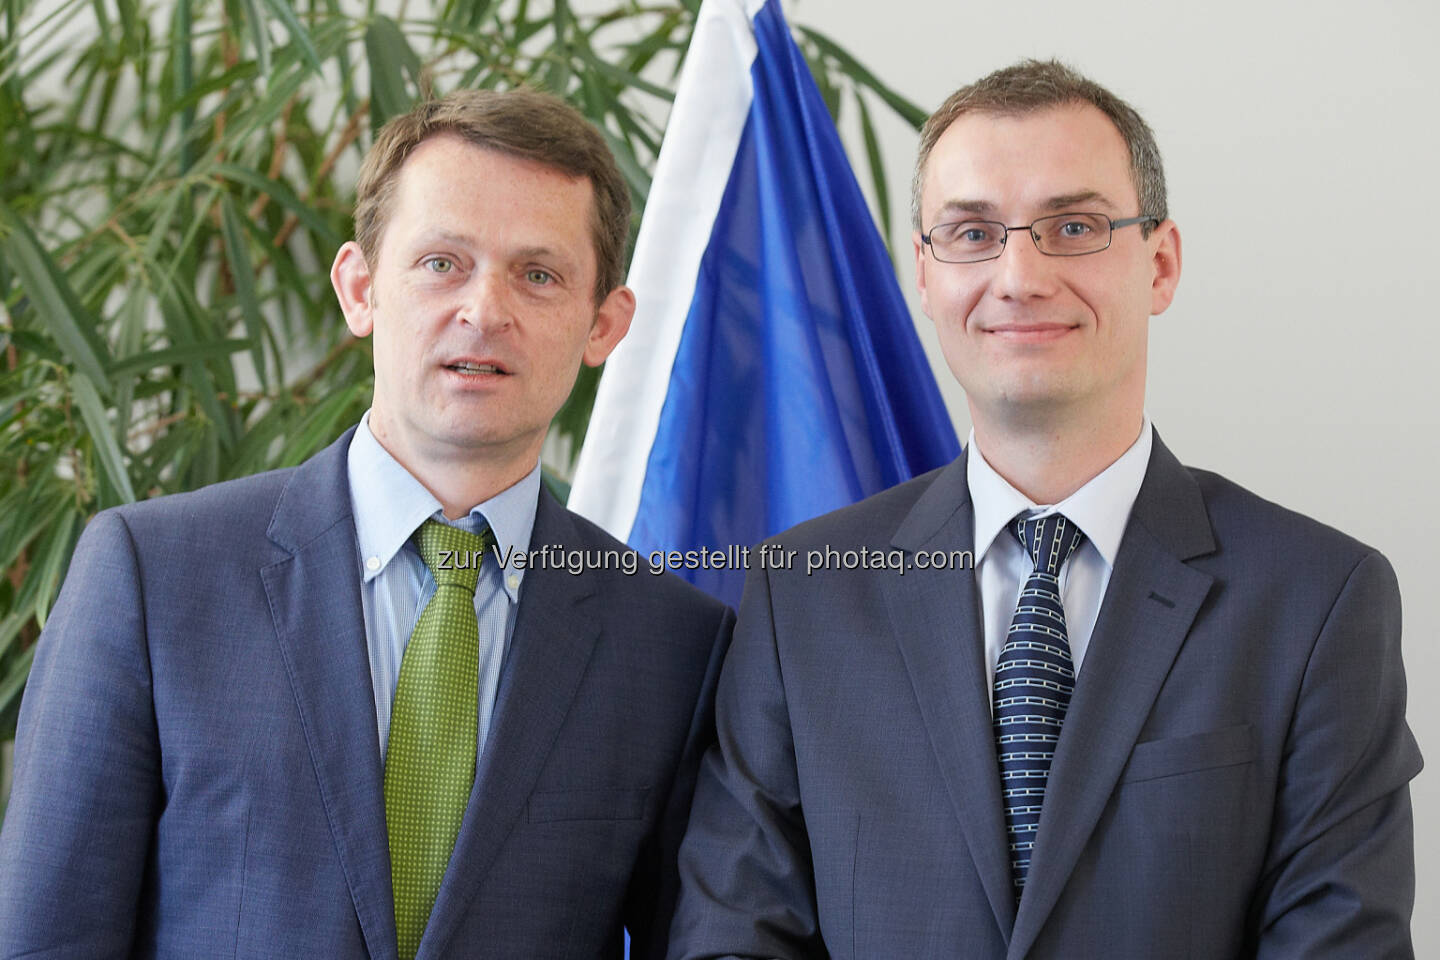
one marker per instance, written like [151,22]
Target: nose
[1022,272]
[486,302]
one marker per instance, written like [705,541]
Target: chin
[470,438]
[489,436]
[1033,399]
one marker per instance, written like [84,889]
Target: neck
[461,479]
[459,495]
[1048,458]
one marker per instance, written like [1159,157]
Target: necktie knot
[1049,540]
[453,555]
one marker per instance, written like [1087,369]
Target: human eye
[967,240]
[970,233]
[439,265]
[539,277]
[1073,232]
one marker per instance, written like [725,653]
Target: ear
[920,272]
[350,276]
[612,321]
[1166,264]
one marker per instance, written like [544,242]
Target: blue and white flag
[772,372]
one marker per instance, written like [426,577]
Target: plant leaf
[173,356]
[243,276]
[467,14]
[828,91]
[853,69]
[390,58]
[261,34]
[281,194]
[32,511]
[877,167]
[53,300]
[321,425]
[107,450]
[52,558]
[128,24]
[623,76]
[635,175]
[298,34]
[12,684]
[182,77]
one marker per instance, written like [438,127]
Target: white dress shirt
[389,505]
[1101,508]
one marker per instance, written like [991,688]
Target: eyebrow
[462,239]
[442,236]
[984,208]
[1068,200]
[525,253]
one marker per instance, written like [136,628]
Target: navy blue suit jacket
[1231,780]
[198,771]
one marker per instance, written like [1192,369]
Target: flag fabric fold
[772,372]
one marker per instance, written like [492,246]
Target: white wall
[1302,354]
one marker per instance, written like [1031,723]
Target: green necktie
[430,761]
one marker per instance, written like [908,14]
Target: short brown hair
[1032,85]
[522,123]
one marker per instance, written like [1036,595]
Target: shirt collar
[389,503]
[1101,507]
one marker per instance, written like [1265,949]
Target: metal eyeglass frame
[1114,225]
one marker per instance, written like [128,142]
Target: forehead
[1020,163]
[450,186]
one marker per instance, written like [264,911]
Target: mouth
[1030,332]
[477,368]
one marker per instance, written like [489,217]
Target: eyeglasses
[1063,235]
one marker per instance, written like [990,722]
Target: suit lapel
[555,634]
[936,618]
[315,602]
[1148,608]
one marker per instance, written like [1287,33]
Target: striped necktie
[1033,681]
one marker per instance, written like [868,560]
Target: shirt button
[514,581]
[373,563]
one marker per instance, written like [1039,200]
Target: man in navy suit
[1111,706]
[203,764]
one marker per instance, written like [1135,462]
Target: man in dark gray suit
[1108,706]
[328,711]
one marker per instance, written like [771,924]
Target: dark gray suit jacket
[198,772]
[1231,780]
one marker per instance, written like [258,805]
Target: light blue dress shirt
[389,505]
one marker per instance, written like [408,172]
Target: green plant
[174,180]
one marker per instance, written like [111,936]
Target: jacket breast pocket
[549,806]
[1172,756]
